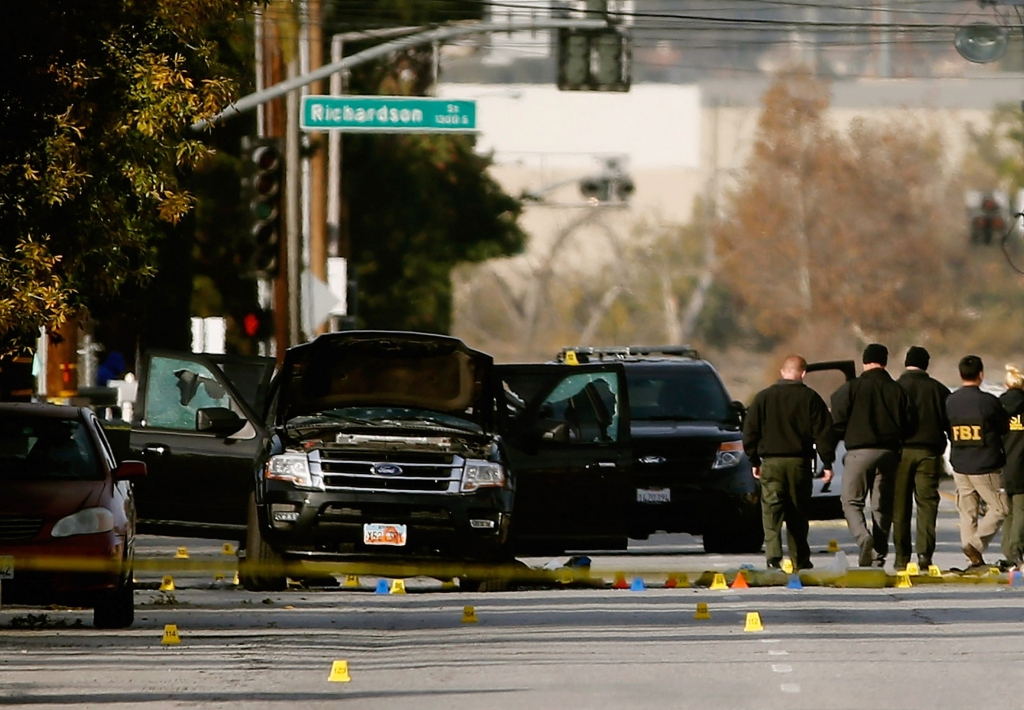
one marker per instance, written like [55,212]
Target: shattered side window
[177,389]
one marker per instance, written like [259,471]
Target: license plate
[384,534]
[6,568]
[653,495]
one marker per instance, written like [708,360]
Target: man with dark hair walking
[917,478]
[873,415]
[782,427]
[977,423]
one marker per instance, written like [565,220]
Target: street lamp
[985,42]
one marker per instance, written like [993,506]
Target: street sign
[387,114]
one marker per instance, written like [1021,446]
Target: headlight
[729,454]
[84,522]
[293,468]
[482,474]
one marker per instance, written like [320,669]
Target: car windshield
[383,416]
[694,395]
[46,448]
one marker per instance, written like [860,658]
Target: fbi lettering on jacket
[967,434]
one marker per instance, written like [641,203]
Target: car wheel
[744,534]
[262,569]
[115,609]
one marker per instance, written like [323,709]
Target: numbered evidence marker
[182,553]
[171,637]
[469,615]
[718,581]
[753,622]
[339,673]
[702,612]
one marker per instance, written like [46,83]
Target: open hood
[386,369]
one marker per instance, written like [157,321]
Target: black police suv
[380,445]
[689,472]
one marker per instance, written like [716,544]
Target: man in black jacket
[1013,471]
[977,423]
[917,478]
[780,431]
[873,415]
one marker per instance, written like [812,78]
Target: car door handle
[155,450]
[605,465]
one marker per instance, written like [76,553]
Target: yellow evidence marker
[228,549]
[570,358]
[398,586]
[753,622]
[833,546]
[351,581]
[913,569]
[934,571]
[787,566]
[718,582]
[903,580]
[339,673]
[171,637]
[167,584]
[702,612]
[182,554]
[469,615]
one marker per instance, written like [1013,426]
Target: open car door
[198,425]
[825,378]
[566,432]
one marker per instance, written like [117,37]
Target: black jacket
[872,412]
[928,398]
[788,419]
[977,423]
[1013,443]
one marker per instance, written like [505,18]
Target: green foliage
[95,103]
[419,206]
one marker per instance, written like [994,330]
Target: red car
[67,513]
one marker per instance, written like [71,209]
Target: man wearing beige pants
[977,422]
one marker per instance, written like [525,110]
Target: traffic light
[263,189]
[258,324]
[594,60]
[612,185]
[987,220]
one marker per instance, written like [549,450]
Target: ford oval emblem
[653,460]
[387,469]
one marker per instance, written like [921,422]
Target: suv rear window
[46,448]
[690,395]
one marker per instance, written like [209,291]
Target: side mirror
[739,411]
[129,471]
[218,420]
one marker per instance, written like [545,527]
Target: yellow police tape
[857,577]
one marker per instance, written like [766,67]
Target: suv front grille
[19,528]
[420,473]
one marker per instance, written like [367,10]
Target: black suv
[381,445]
[690,473]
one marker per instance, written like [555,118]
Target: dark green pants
[917,481]
[785,497]
[1013,530]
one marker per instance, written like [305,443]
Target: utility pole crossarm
[440,35]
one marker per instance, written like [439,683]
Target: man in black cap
[780,431]
[873,415]
[977,423]
[917,478]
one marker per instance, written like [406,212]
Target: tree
[846,227]
[95,106]
[418,206]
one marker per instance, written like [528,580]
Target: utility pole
[318,158]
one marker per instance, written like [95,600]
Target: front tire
[262,569]
[115,609]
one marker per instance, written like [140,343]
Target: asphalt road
[937,646]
